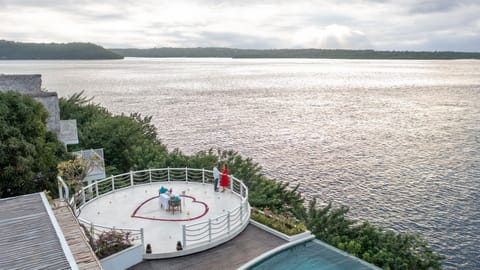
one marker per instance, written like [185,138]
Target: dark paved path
[251,243]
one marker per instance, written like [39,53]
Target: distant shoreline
[293,53]
[10,50]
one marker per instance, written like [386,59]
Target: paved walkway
[249,244]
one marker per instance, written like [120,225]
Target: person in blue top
[216,176]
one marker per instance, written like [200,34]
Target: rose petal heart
[149,210]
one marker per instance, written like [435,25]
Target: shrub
[281,223]
[111,242]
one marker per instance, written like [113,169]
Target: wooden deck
[252,242]
[76,239]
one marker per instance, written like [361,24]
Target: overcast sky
[347,24]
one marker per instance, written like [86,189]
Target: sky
[414,25]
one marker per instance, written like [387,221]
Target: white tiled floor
[116,209]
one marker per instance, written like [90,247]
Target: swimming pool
[311,255]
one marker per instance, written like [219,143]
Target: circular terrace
[131,202]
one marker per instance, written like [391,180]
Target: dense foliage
[387,249]
[73,172]
[293,53]
[18,50]
[29,153]
[130,143]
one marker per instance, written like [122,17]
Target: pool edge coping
[274,251]
[293,241]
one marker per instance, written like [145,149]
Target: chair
[175,205]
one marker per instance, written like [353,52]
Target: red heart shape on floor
[150,216]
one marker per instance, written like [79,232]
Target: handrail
[232,221]
[136,235]
[64,194]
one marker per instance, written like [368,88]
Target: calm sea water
[397,141]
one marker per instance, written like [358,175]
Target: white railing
[135,235]
[95,230]
[63,190]
[206,231]
[193,234]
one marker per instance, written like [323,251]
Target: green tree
[28,152]
[19,50]
[387,249]
[129,142]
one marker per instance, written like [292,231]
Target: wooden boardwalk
[249,244]
[76,239]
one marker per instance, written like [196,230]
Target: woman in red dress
[224,180]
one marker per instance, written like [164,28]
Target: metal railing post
[231,181]
[63,189]
[228,222]
[241,213]
[131,178]
[186,174]
[168,174]
[83,195]
[74,205]
[150,174]
[96,188]
[209,230]
[60,190]
[143,239]
[113,183]
[184,240]
[203,175]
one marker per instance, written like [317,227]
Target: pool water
[312,255]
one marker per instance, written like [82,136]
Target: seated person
[162,190]
[174,203]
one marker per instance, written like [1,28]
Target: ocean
[398,141]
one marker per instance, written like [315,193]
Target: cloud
[330,37]
[437,6]
[229,39]
[349,24]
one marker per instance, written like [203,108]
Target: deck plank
[76,239]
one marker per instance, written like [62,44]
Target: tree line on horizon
[10,50]
[294,53]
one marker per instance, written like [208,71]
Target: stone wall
[50,102]
[24,84]
[31,85]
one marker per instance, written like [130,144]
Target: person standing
[216,176]
[224,183]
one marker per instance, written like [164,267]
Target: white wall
[123,259]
